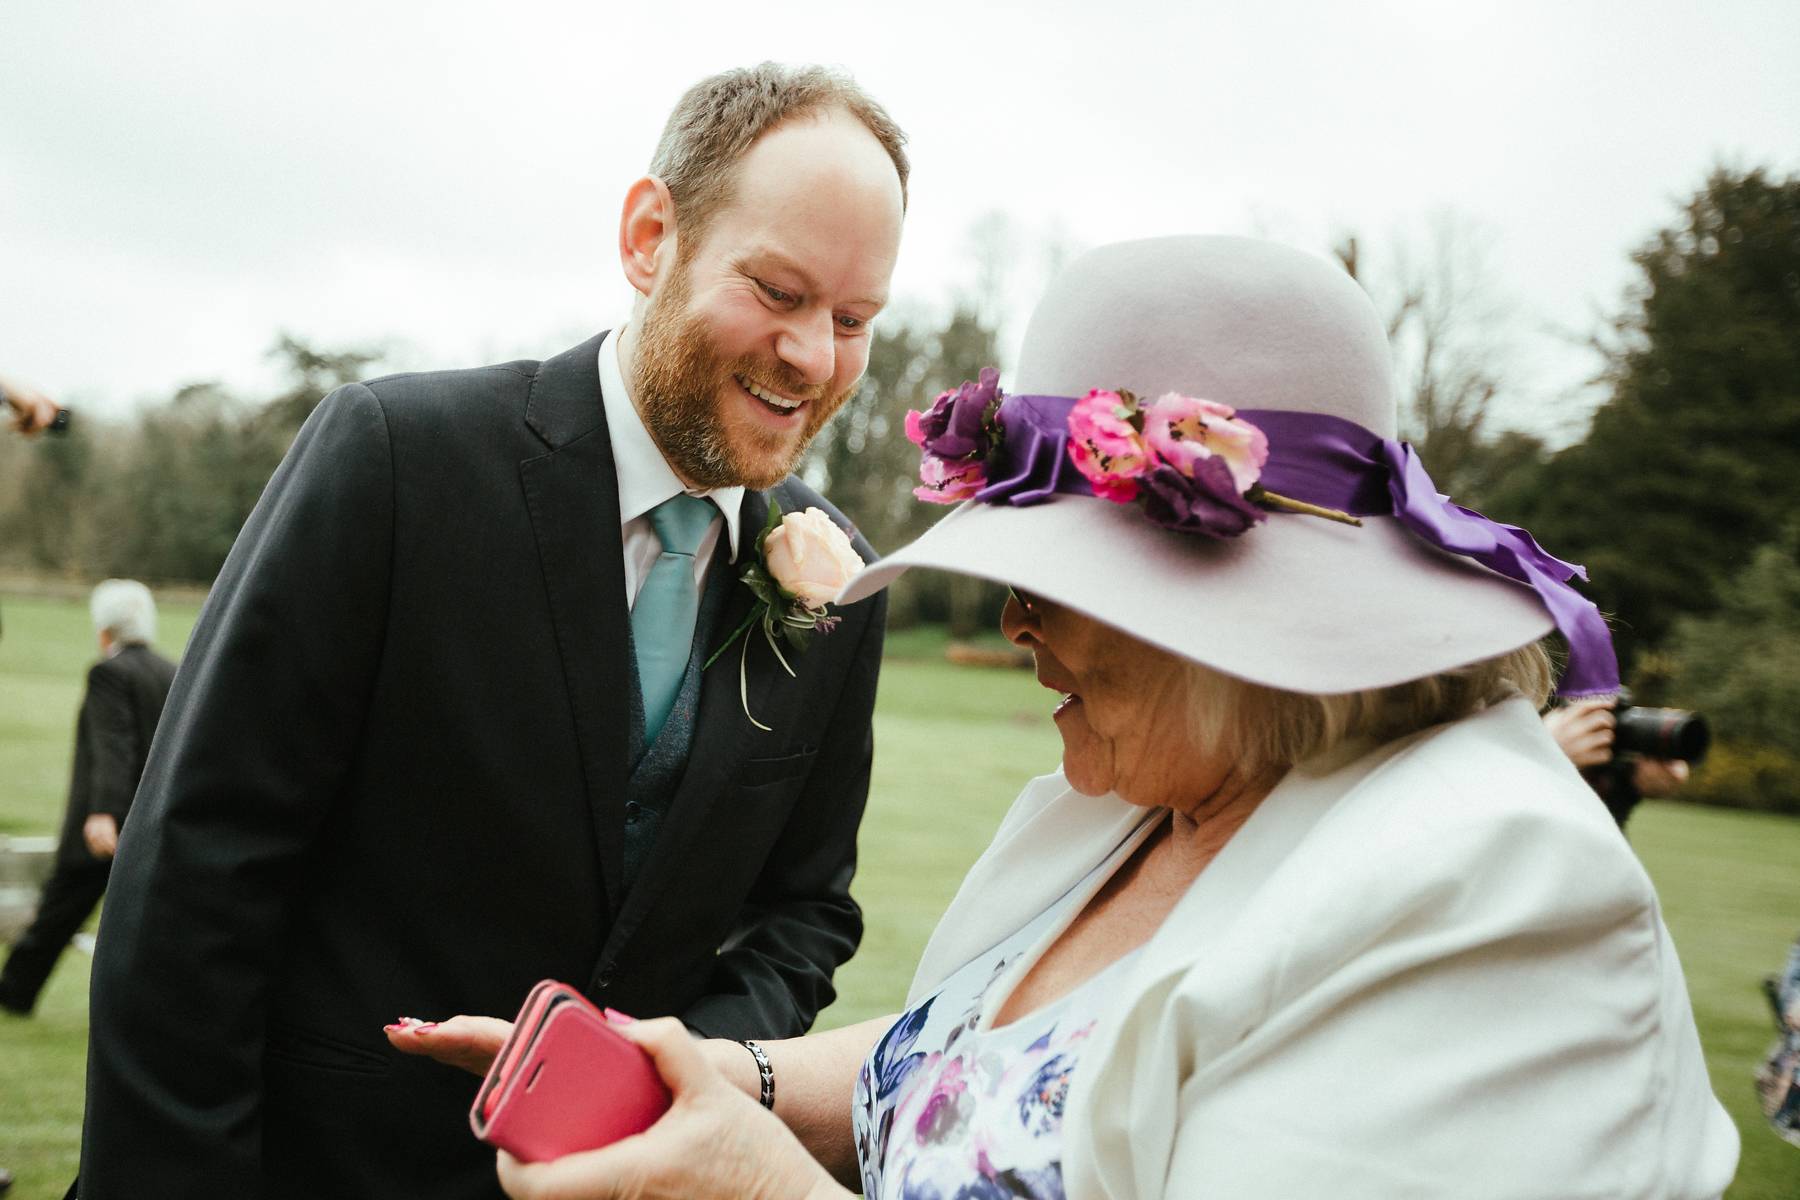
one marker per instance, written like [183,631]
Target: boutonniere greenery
[801,562]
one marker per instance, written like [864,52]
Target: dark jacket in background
[119,712]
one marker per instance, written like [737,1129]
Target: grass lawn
[953,746]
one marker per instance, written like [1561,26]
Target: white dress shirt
[646,480]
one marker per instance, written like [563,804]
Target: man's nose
[808,347]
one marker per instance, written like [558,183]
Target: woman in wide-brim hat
[1314,905]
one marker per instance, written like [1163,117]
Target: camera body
[1639,732]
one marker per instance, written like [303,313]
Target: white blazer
[1430,969]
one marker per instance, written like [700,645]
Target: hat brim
[1297,603]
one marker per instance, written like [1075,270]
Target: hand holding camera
[32,411]
[1626,751]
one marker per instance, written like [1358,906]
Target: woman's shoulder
[1492,772]
[1478,822]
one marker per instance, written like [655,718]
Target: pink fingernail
[617,1017]
[422,1026]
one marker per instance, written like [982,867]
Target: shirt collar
[645,477]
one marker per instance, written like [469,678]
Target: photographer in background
[32,411]
[1587,730]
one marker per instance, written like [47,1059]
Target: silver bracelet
[765,1072]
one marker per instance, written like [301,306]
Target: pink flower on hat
[944,482]
[1106,447]
[1182,430]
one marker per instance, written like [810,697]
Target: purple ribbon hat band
[1316,459]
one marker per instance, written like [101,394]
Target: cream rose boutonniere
[802,561]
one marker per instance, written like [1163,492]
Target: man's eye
[850,324]
[776,294]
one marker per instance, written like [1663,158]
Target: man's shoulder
[796,495]
[442,391]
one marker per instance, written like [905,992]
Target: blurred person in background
[120,709]
[32,411]
[1778,1079]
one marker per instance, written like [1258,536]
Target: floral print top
[949,1108]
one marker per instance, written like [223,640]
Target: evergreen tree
[1694,460]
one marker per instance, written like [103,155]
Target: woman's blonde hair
[1262,727]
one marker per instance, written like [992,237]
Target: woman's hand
[713,1142]
[467,1042]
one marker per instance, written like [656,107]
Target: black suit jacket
[391,783]
[119,710]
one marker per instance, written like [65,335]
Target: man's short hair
[721,117]
[125,609]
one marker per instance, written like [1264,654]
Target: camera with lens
[1640,732]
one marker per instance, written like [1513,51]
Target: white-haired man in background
[126,691]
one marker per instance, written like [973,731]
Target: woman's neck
[1198,832]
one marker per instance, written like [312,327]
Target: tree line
[1682,497]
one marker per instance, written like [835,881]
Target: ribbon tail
[769,635]
[1593,668]
[744,687]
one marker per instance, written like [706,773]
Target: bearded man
[443,729]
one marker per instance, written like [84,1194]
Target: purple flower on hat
[956,433]
[958,426]
[1106,446]
[1205,502]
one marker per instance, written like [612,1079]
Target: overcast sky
[181,180]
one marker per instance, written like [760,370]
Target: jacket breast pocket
[782,768]
[290,1046]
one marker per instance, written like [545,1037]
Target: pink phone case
[565,1081]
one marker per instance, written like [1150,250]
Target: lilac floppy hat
[1296,602]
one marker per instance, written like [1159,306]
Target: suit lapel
[723,735]
[572,495]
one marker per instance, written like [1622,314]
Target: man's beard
[680,390]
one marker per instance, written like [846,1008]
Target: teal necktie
[662,620]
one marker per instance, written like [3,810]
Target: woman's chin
[1083,777]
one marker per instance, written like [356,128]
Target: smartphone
[565,1081]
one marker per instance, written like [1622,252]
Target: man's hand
[467,1042]
[1584,730]
[101,833]
[32,411]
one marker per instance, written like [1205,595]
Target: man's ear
[646,232]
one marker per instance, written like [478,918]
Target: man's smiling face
[753,338]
